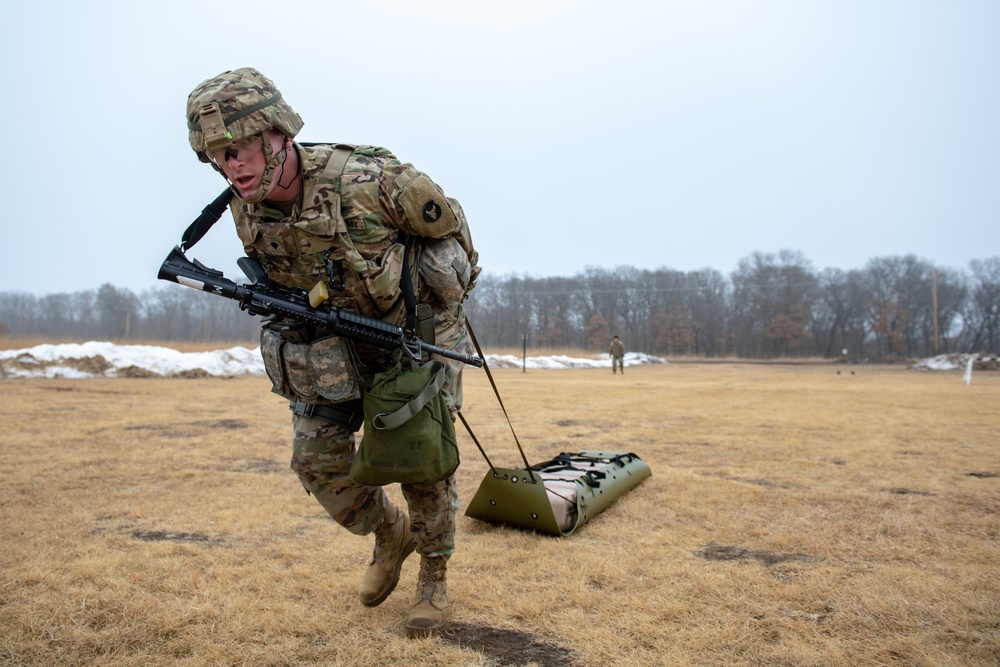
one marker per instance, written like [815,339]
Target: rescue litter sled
[557,496]
[554,497]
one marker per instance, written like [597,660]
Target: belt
[349,413]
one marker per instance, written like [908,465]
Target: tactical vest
[359,210]
[339,233]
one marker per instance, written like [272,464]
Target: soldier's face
[244,164]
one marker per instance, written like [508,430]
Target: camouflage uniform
[322,454]
[617,352]
[361,210]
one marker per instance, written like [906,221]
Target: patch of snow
[942,362]
[560,362]
[104,359]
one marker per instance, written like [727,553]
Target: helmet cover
[234,105]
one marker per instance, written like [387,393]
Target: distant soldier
[367,226]
[617,352]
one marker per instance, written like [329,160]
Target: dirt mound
[192,374]
[27,364]
[136,372]
[986,363]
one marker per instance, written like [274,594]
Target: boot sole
[418,632]
[407,550]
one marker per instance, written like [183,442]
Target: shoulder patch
[426,210]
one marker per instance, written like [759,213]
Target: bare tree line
[772,305]
[167,313]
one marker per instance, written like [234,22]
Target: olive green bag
[409,435]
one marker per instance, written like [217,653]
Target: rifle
[264,297]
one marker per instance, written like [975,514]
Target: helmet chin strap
[273,160]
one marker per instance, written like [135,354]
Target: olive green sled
[520,497]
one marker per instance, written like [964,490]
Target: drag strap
[476,440]
[486,367]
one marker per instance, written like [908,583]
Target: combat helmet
[235,105]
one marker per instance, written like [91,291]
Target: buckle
[302,409]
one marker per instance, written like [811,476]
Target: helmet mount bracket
[213,127]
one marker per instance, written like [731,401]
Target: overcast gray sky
[650,134]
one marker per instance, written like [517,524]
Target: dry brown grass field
[795,516]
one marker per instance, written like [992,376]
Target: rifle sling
[209,216]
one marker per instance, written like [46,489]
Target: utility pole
[934,300]
[524,353]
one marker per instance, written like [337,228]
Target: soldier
[617,352]
[366,225]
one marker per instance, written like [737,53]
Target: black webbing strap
[486,367]
[406,285]
[209,216]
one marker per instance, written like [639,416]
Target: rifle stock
[263,297]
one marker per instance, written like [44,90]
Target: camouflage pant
[322,452]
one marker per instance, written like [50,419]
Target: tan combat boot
[429,614]
[393,544]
